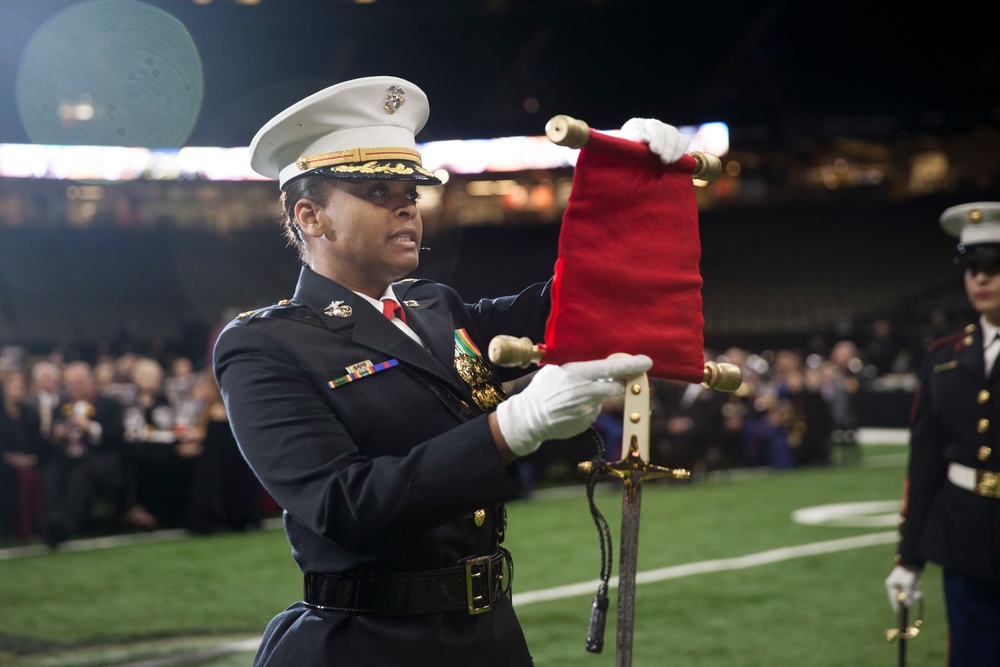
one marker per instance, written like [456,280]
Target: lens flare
[110,73]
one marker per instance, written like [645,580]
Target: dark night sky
[772,71]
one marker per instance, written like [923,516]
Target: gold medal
[479,377]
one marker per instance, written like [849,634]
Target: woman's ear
[308,216]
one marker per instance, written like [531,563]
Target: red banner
[627,276]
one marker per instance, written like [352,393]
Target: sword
[632,469]
[903,631]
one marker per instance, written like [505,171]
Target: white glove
[663,139]
[906,580]
[561,401]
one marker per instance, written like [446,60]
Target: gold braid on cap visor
[365,160]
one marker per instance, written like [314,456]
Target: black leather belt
[472,586]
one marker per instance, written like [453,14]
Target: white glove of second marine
[905,580]
[663,139]
[561,401]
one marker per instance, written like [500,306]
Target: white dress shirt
[991,345]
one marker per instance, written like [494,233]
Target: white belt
[981,482]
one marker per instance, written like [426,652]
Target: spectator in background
[181,389]
[842,390]
[687,427]
[21,451]
[160,462]
[766,438]
[46,393]
[810,425]
[85,462]
[881,350]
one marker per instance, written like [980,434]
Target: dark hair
[313,187]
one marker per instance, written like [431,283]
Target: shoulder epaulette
[406,284]
[266,311]
[949,340]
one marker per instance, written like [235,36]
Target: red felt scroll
[627,275]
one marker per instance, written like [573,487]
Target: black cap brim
[977,252]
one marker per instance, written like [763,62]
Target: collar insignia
[338,309]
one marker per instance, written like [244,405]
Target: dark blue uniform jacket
[383,473]
[956,419]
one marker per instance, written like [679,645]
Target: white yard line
[586,588]
[708,566]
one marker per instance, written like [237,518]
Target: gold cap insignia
[394,98]
[338,309]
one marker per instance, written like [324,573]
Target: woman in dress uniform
[365,406]
[951,508]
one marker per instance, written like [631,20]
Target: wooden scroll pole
[574,133]
[634,467]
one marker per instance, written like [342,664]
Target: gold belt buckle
[987,484]
[479,571]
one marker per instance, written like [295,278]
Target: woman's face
[370,233]
[982,286]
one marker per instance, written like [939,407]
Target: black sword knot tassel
[598,616]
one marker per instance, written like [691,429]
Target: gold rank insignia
[338,309]
[475,372]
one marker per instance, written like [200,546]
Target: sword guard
[906,631]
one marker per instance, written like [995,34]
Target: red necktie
[390,308]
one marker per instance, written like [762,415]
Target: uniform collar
[367,327]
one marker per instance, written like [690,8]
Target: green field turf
[205,600]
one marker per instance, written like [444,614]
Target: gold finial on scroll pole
[722,377]
[509,351]
[708,166]
[567,131]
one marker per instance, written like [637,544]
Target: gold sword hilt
[904,630]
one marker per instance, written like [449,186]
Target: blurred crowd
[139,441]
[126,442]
[795,407]
[791,410]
